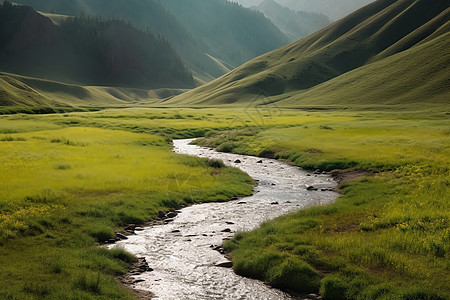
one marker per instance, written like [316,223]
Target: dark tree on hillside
[87,50]
[120,48]
[11,17]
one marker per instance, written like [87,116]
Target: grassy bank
[386,237]
[63,189]
[72,180]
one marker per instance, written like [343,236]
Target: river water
[181,252]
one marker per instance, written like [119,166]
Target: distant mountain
[295,24]
[331,8]
[86,51]
[334,9]
[230,32]
[206,35]
[391,51]
[248,3]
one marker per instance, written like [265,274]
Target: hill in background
[86,51]
[407,38]
[331,8]
[294,24]
[202,34]
[33,95]
[230,32]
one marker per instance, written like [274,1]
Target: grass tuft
[102,234]
[333,288]
[88,282]
[215,163]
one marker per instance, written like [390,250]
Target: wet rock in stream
[171,214]
[121,236]
[192,265]
[226,264]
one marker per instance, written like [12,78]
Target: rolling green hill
[398,52]
[86,51]
[294,24]
[403,80]
[27,94]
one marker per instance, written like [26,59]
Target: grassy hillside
[14,92]
[87,51]
[32,95]
[402,81]
[295,24]
[366,42]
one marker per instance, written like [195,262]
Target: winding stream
[181,253]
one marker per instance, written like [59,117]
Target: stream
[181,253]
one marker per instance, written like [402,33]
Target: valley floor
[72,180]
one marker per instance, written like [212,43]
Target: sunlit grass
[70,180]
[373,141]
[387,233]
[167,122]
[63,190]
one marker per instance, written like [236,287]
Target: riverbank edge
[127,280]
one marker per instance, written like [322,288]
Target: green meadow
[386,237]
[65,188]
[70,181]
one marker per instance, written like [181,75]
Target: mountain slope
[201,33]
[402,79]
[145,15]
[373,34]
[331,8]
[230,32]
[249,3]
[294,24]
[86,51]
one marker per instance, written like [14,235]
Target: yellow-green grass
[80,181]
[371,140]
[64,190]
[386,237]
[173,122]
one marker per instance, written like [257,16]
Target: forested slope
[85,50]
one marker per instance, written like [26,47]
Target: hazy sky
[332,8]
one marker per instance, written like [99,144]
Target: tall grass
[64,190]
[386,237]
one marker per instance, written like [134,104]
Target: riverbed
[182,253]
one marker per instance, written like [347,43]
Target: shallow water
[180,253]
